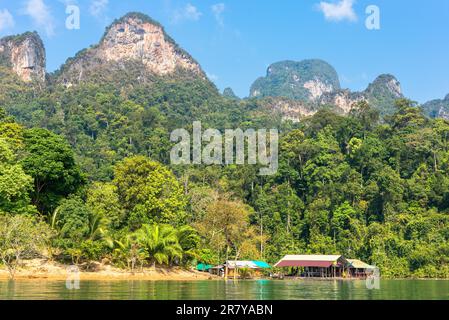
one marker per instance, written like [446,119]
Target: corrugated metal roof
[312,257]
[240,264]
[312,260]
[358,264]
[248,264]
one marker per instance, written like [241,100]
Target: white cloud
[97,7]
[339,11]
[6,20]
[189,12]
[41,15]
[217,10]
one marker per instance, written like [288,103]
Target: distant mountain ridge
[315,83]
[136,49]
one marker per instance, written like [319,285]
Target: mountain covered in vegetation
[438,108]
[316,84]
[306,80]
[85,169]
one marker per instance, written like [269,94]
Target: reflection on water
[230,290]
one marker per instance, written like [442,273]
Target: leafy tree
[103,201]
[227,229]
[149,192]
[72,220]
[50,161]
[15,184]
[367,116]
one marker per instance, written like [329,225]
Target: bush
[21,237]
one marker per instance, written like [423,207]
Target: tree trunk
[226,264]
[133,265]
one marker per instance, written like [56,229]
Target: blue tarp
[203,267]
[261,264]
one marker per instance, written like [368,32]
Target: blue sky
[236,40]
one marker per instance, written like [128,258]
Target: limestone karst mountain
[134,42]
[305,80]
[381,94]
[25,55]
[301,88]
[136,49]
[438,108]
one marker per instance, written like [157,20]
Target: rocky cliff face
[25,54]
[292,110]
[438,108]
[133,38]
[344,100]
[380,94]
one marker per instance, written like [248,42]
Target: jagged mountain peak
[229,93]
[385,84]
[25,54]
[134,38]
[134,22]
[135,16]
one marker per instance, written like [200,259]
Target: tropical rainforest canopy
[85,173]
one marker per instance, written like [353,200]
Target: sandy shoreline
[40,269]
[46,270]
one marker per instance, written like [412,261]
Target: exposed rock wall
[25,54]
[136,38]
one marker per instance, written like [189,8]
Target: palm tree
[97,226]
[128,249]
[160,243]
[188,239]
[52,219]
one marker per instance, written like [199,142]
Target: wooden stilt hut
[316,266]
